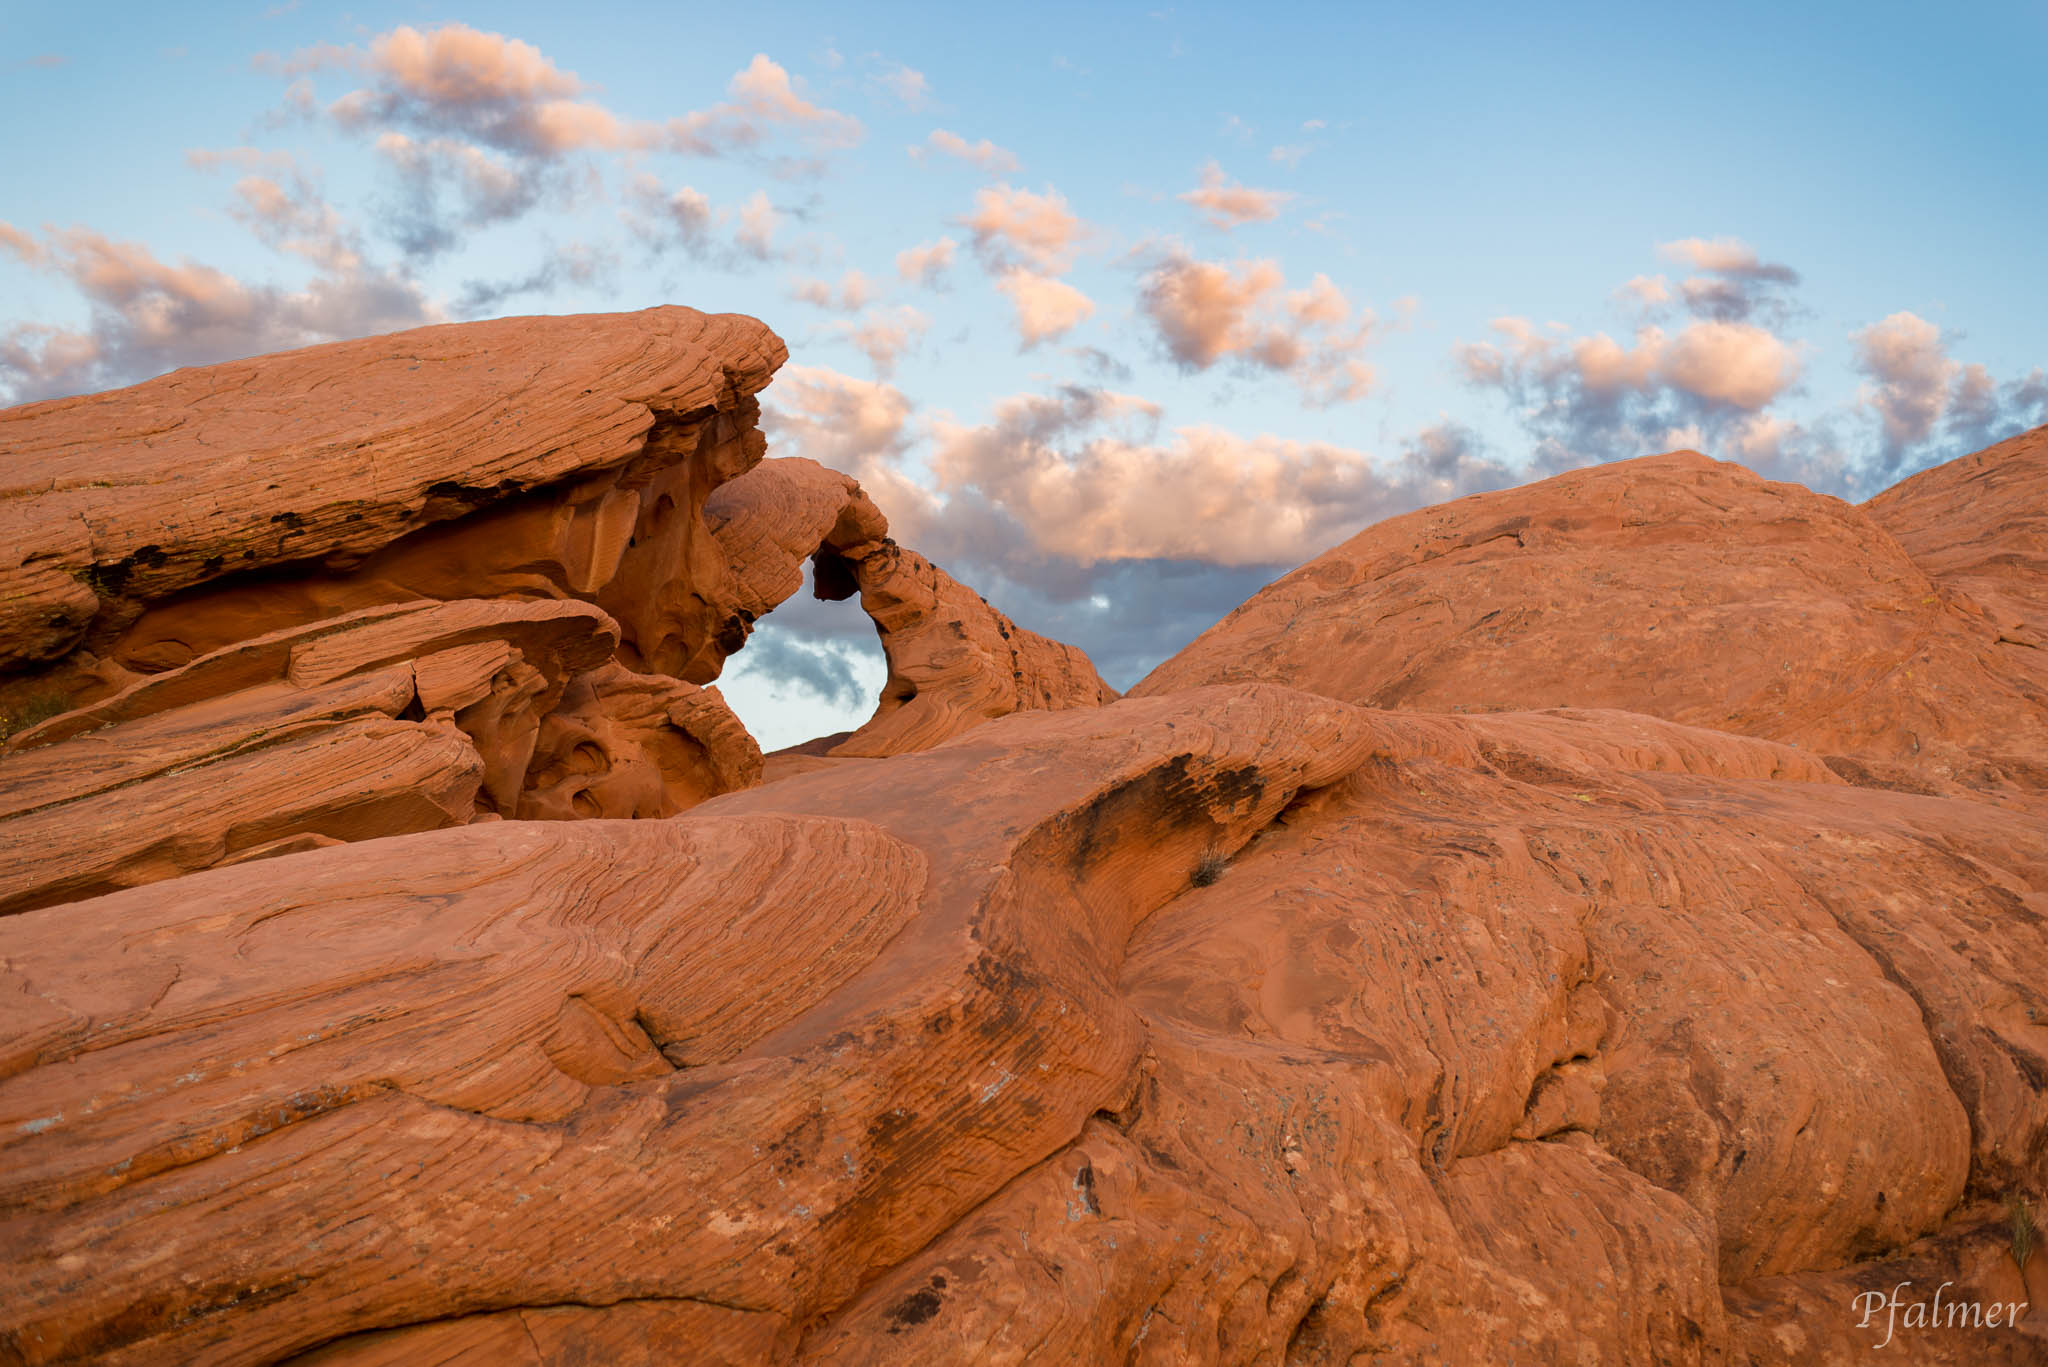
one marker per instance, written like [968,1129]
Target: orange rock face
[1598,923]
[294,600]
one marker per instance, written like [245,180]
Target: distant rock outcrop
[1693,590]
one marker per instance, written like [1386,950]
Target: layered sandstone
[188,545]
[1518,1037]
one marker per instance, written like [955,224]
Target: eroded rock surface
[1496,1039]
[183,543]
[954,661]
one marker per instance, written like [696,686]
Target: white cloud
[1210,311]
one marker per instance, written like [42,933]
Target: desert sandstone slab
[1493,1039]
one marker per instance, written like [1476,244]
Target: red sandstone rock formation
[1633,991]
[193,542]
[954,661]
[1499,1038]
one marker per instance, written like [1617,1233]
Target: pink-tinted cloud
[764,98]
[1733,363]
[1046,308]
[855,291]
[1911,371]
[1917,389]
[1207,312]
[983,155]
[1013,227]
[1227,205]
[1085,473]
[928,262]
[859,427]
[1727,256]
[148,316]
[484,87]
[884,335]
[1735,285]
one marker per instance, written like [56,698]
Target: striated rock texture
[139,524]
[1693,590]
[1598,923]
[179,559]
[390,719]
[1560,1037]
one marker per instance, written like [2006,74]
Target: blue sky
[1117,313]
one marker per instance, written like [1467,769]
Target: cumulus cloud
[855,292]
[1593,398]
[1911,373]
[1085,473]
[1735,284]
[736,238]
[764,98]
[1019,227]
[984,155]
[1728,256]
[1046,308]
[859,427]
[495,122]
[928,262]
[1206,312]
[1226,204]
[1916,388]
[483,87]
[500,92]
[821,669]
[147,316]
[883,335]
[662,218]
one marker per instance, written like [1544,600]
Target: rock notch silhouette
[1597,922]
